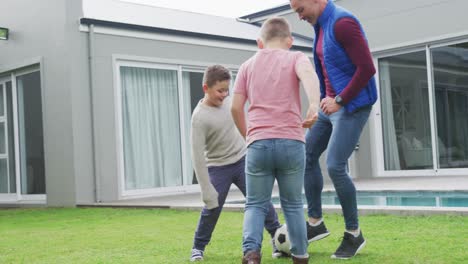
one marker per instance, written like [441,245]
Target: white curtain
[392,158]
[151,131]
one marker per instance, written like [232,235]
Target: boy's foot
[276,253]
[350,246]
[197,255]
[315,233]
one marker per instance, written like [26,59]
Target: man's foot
[350,246]
[197,255]
[276,253]
[252,257]
[315,233]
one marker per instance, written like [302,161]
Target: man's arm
[238,114]
[310,83]
[198,140]
[348,33]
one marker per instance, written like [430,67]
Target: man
[345,69]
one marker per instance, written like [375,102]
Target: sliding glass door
[424,102]
[22,169]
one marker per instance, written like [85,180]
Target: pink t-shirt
[269,82]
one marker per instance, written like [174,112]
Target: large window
[157,102]
[410,138]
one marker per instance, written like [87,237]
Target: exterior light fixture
[3,33]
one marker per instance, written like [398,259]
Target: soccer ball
[281,239]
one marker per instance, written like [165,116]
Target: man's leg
[316,142]
[347,128]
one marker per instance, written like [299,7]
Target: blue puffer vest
[339,67]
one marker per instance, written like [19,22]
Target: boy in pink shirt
[270,81]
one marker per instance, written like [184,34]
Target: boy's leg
[317,138]
[347,128]
[271,220]
[290,164]
[259,184]
[221,180]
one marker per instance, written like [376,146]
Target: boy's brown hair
[214,74]
[275,28]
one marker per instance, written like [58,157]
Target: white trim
[176,39]
[16,137]
[169,38]
[186,64]
[182,129]
[154,192]
[432,115]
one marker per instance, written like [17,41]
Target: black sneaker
[315,233]
[350,246]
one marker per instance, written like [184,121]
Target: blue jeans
[339,132]
[222,177]
[267,160]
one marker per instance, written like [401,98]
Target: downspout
[97,185]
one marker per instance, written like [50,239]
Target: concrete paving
[192,200]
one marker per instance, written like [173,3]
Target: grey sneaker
[350,246]
[315,233]
[197,255]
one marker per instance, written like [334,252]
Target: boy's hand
[311,118]
[210,197]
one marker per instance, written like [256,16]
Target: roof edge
[266,12]
[121,25]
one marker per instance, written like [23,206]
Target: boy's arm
[310,82]
[208,192]
[238,114]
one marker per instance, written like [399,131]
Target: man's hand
[329,106]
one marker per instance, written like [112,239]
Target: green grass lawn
[105,235]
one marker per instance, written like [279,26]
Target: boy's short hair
[275,28]
[214,74]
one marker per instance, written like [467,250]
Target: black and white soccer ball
[281,239]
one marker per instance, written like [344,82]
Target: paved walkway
[192,200]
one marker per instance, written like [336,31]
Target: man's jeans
[222,177]
[267,160]
[339,131]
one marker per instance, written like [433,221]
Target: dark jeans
[222,177]
[339,133]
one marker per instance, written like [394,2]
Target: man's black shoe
[350,246]
[315,233]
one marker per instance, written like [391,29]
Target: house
[96,97]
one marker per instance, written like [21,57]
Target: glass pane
[4,176]
[451,88]
[2,138]
[11,144]
[2,104]
[31,134]
[151,128]
[405,112]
